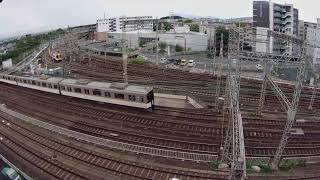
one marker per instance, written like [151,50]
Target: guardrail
[113,144]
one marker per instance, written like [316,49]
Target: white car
[191,63]
[259,67]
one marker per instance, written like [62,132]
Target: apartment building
[131,24]
[283,18]
[303,26]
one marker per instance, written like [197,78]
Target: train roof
[44,78]
[107,86]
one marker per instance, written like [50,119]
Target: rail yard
[75,111]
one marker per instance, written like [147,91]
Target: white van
[191,63]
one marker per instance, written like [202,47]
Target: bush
[290,164]
[139,61]
[253,114]
[265,168]
[214,164]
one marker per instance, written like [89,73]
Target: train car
[8,79]
[113,93]
[45,83]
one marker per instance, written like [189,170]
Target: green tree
[179,48]
[194,27]
[162,46]
[222,30]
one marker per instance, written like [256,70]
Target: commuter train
[113,93]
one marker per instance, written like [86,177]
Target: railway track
[259,142]
[96,162]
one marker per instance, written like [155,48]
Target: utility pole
[219,72]
[291,110]
[157,42]
[124,52]
[233,152]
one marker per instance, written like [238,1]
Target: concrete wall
[262,40]
[194,41]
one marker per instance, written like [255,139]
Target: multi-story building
[131,24]
[281,18]
[312,36]
[303,26]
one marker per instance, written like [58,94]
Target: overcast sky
[17,16]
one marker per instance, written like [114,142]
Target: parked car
[163,60]
[191,63]
[177,62]
[183,62]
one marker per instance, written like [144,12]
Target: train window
[25,81]
[107,94]
[77,90]
[96,92]
[142,99]
[69,89]
[63,88]
[119,96]
[55,86]
[44,84]
[50,86]
[86,91]
[34,82]
[38,83]
[132,97]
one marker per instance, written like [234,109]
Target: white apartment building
[131,24]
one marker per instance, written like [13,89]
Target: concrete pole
[157,42]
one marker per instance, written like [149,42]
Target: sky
[24,16]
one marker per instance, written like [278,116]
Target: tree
[222,30]
[188,21]
[179,48]
[162,46]
[194,27]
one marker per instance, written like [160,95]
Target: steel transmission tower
[234,149]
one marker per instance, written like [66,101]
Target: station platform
[175,101]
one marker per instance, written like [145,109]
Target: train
[112,93]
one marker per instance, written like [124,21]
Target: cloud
[32,15]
